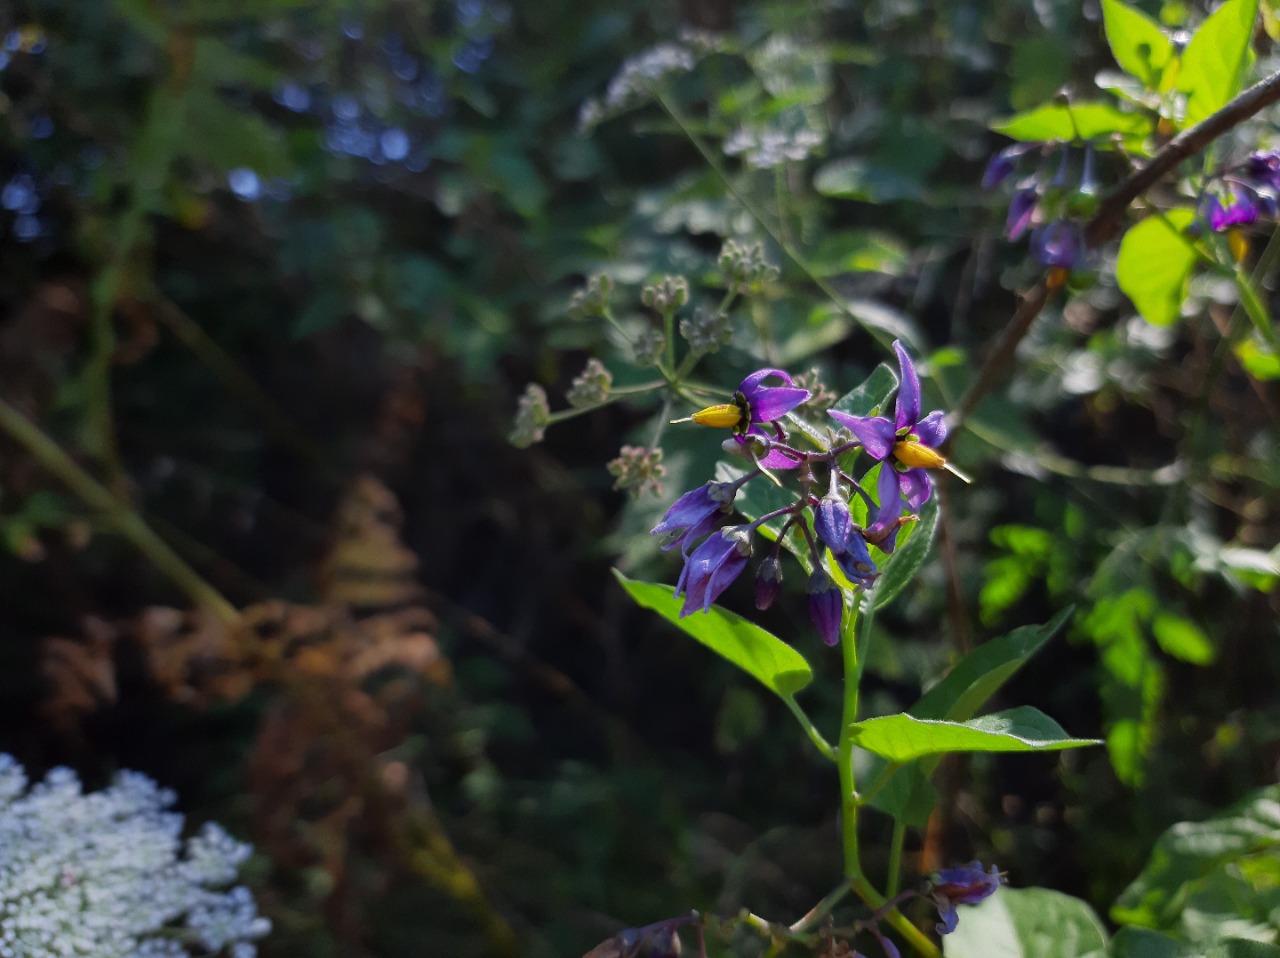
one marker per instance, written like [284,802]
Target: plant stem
[820,743]
[50,455]
[844,754]
[895,858]
[913,935]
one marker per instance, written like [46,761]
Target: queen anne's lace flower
[107,873]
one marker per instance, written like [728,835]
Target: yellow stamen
[724,416]
[912,453]
[1237,243]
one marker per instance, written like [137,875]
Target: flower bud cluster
[533,414]
[707,329]
[593,299]
[638,469]
[591,386]
[107,873]
[667,295]
[744,267]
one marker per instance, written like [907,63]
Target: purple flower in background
[1021,209]
[963,885]
[754,406]
[712,567]
[1263,168]
[695,513]
[1003,163]
[1058,244]
[1238,211]
[907,445]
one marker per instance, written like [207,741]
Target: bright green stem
[50,455]
[844,753]
[909,932]
[895,858]
[820,743]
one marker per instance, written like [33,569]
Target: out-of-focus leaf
[1131,942]
[1154,265]
[1058,121]
[855,179]
[1027,923]
[1257,569]
[1217,60]
[1139,45]
[858,251]
[872,396]
[765,657]
[1258,359]
[1183,639]
[1191,857]
[902,737]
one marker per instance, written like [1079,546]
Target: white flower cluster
[636,80]
[766,148]
[107,875]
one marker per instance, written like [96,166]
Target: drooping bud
[826,606]
[833,523]
[768,582]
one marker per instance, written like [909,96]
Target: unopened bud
[768,582]
[532,416]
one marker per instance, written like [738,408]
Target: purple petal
[874,432]
[915,486]
[909,391]
[932,429]
[950,918]
[752,382]
[768,403]
[833,523]
[884,529]
[774,458]
[1021,208]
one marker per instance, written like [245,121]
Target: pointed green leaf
[900,567]
[1217,60]
[1137,42]
[1027,923]
[1077,121]
[1154,265]
[762,655]
[902,737]
[907,794]
[872,396]
[1183,639]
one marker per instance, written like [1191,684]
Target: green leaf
[870,398]
[1137,42]
[854,179]
[857,251]
[1217,60]
[1077,121]
[1183,639]
[1258,359]
[1191,856]
[1131,942]
[760,496]
[907,795]
[904,563]
[1154,265]
[762,655]
[1027,923]
[902,737]
[1242,948]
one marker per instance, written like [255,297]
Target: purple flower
[1021,209]
[712,567]
[855,560]
[909,440]
[833,523]
[695,513]
[963,885]
[1002,164]
[1238,211]
[1263,168]
[886,518]
[1058,244]
[754,406]
[826,606]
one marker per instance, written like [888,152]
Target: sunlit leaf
[1027,923]
[1137,42]
[1083,121]
[902,737]
[1183,639]
[1217,60]
[760,654]
[1154,265]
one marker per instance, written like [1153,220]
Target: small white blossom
[107,873]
